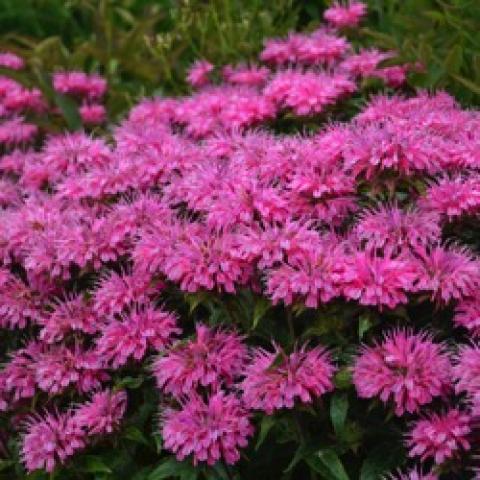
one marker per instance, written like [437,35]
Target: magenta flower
[209,431]
[102,414]
[213,358]
[467,315]
[375,280]
[440,437]
[144,327]
[11,60]
[414,474]
[50,440]
[348,15]
[245,75]
[450,274]
[467,369]
[92,113]
[73,313]
[80,84]
[275,380]
[407,369]
[116,292]
[198,73]
[391,230]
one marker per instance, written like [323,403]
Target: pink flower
[307,276]
[414,474]
[406,368]
[50,440]
[467,315]
[394,76]
[213,358]
[245,75]
[392,230]
[440,437]
[274,380]
[348,15]
[209,431]
[307,93]
[198,73]
[365,63]
[102,414]
[144,327]
[73,313]
[92,87]
[451,274]
[16,131]
[116,292]
[203,259]
[467,369]
[92,113]
[453,197]
[59,366]
[11,60]
[375,280]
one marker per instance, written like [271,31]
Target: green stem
[290,324]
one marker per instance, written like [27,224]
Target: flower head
[406,368]
[209,430]
[440,437]
[213,358]
[348,15]
[274,380]
[198,73]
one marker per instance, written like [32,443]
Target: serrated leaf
[338,412]
[327,463]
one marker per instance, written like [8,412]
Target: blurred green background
[143,47]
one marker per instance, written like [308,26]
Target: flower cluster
[196,202]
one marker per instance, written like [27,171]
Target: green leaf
[380,461]
[135,434]
[328,465]
[454,59]
[268,422]
[95,464]
[69,110]
[473,87]
[262,305]
[343,378]
[364,324]
[338,411]
[4,464]
[158,442]
[173,469]
[130,382]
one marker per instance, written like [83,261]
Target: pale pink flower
[209,430]
[440,437]
[143,328]
[50,440]
[275,380]
[213,358]
[198,73]
[407,369]
[345,15]
[102,414]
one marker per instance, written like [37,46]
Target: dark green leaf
[380,461]
[69,110]
[328,465]
[267,423]
[338,411]
[95,464]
